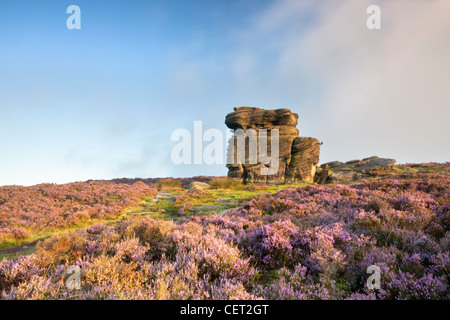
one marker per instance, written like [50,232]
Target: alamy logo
[245,147]
[73,21]
[374,20]
[73,281]
[374,281]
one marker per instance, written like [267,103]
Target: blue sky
[102,102]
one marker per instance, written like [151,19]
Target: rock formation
[340,172]
[197,185]
[297,156]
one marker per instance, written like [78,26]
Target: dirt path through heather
[31,245]
[18,249]
[161,196]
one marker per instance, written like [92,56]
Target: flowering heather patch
[429,164]
[313,242]
[31,210]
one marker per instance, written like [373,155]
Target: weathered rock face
[304,159]
[197,185]
[340,172]
[297,156]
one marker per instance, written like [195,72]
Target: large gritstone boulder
[266,147]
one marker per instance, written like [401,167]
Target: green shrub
[169,183]
[224,183]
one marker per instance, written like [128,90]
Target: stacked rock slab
[297,156]
[340,172]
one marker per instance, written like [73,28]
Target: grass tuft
[169,183]
[224,183]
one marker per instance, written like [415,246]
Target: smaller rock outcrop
[345,172]
[197,185]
